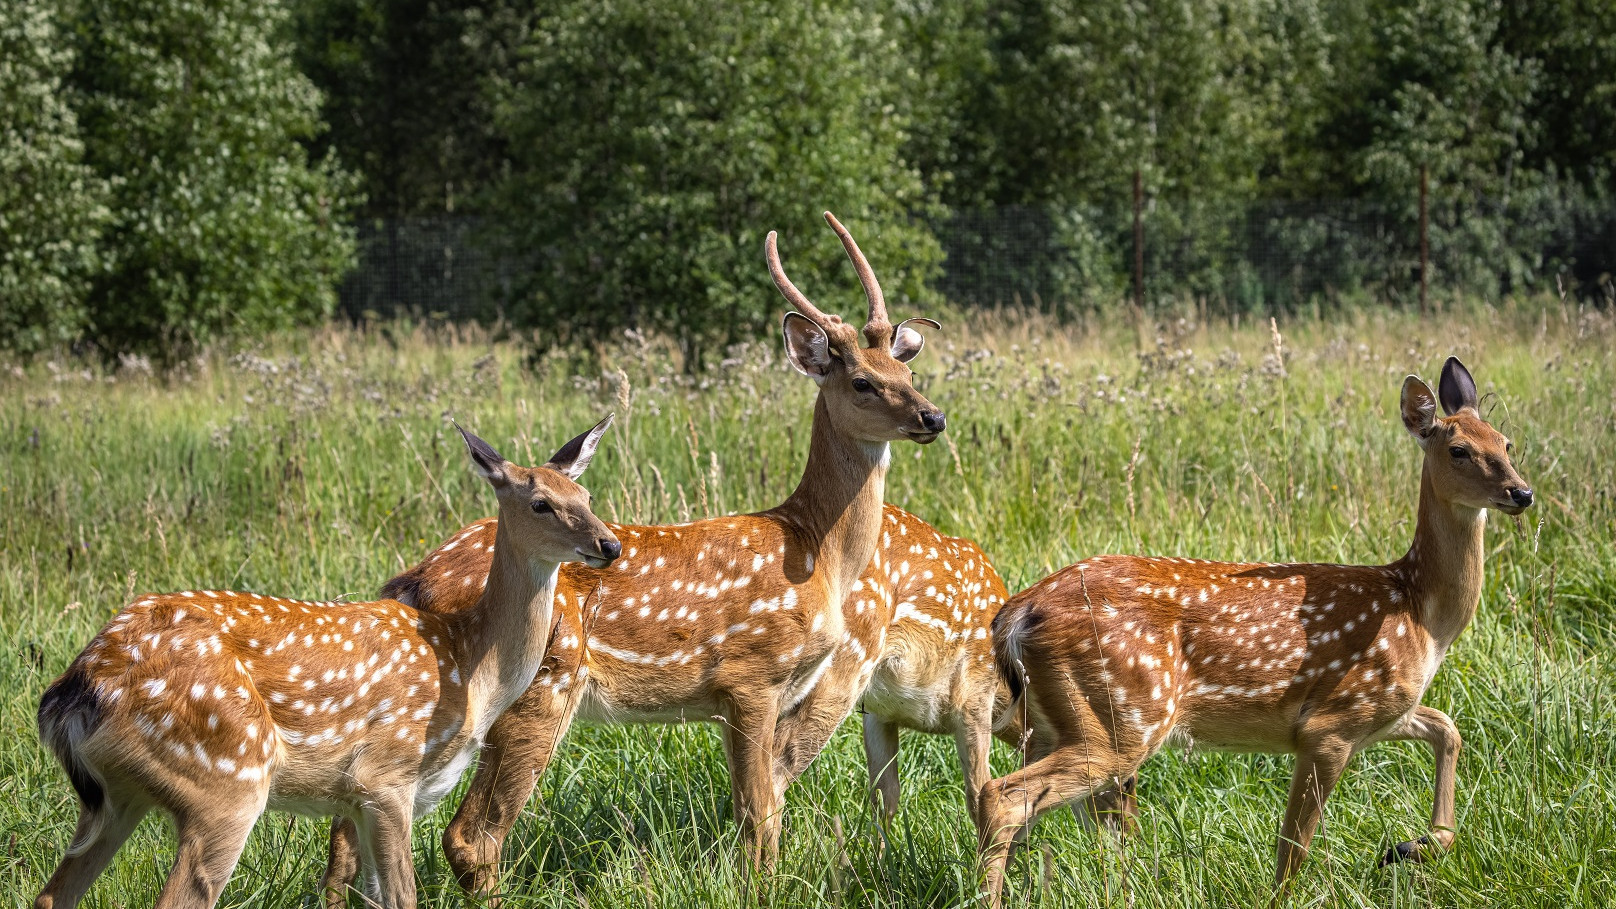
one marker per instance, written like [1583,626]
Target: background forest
[176,170]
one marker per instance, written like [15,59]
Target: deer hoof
[1412,851]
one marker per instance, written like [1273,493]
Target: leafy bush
[52,206]
[194,114]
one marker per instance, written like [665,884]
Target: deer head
[868,391]
[1466,460]
[543,509]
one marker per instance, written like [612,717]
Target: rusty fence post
[1138,240]
[1425,237]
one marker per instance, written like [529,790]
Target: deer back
[240,684]
[929,596]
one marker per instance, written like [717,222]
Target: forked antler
[877,330]
[794,296]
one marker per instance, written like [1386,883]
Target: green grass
[319,464]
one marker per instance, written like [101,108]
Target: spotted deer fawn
[1118,656]
[923,604]
[212,705]
[735,619]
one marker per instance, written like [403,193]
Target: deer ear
[1458,389]
[807,346]
[484,459]
[575,456]
[906,342]
[1419,409]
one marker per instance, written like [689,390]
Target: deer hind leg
[1432,726]
[1009,804]
[1318,768]
[342,863]
[96,839]
[973,739]
[749,747]
[519,748]
[881,756]
[384,837]
[212,829]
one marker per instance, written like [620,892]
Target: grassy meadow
[318,464]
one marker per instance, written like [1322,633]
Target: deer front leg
[1318,768]
[881,755]
[342,863]
[384,838]
[1116,810]
[519,748]
[802,733]
[1427,724]
[749,747]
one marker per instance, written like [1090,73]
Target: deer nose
[1521,497]
[611,549]
[934,421]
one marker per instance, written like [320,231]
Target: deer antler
[794,296]
[877,330]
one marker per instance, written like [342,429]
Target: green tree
[404,84]
[1431,85]
[1572,43]
[1052,105]
[1074,96]
[195,115]
[654,142]
[51,205]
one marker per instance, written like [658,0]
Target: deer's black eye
[862,384]
[1459,454]
[542,507]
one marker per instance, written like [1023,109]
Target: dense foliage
[654,143]
[1279,143]
[193,112]
[155,189]
[583,167]
[405,87]
[52,207]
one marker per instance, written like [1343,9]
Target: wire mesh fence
[1265,257]
[440,266]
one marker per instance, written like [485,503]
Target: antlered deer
[213,705]
[736,619]
[923,604]
[1117,656]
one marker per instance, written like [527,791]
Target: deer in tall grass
[736,619]
[212,706]
[1117,656]
[923,604]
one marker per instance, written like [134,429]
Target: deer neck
[500,642]
[1444,564]
[837,504]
